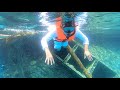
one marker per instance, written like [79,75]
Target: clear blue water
[102,29]
[105,27]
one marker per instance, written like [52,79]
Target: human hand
[49,58]
[88,55]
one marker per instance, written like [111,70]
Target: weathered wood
[79,62]
[71,67]
[67,58]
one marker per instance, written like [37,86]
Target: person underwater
[65,30]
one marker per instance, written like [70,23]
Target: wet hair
[69,14]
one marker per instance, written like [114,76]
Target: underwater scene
[22,38]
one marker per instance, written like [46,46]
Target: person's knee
[58,48]
[65,44]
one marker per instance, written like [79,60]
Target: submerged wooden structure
[72,59]
[85,68]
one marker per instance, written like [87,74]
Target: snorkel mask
[68,22]
[68,27]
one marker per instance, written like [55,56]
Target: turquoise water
[106,35]
[102,29]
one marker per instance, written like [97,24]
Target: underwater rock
[25,56]
[33,62]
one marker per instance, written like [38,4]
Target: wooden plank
[75,70]
[67,58]
[71,67]
[85,71]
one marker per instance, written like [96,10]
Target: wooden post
[79,62]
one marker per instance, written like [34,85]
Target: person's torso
[61,35]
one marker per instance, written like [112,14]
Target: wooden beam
[67,58]
[85,71]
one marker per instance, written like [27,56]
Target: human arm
[87,53]
[85,41]
[49,58]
